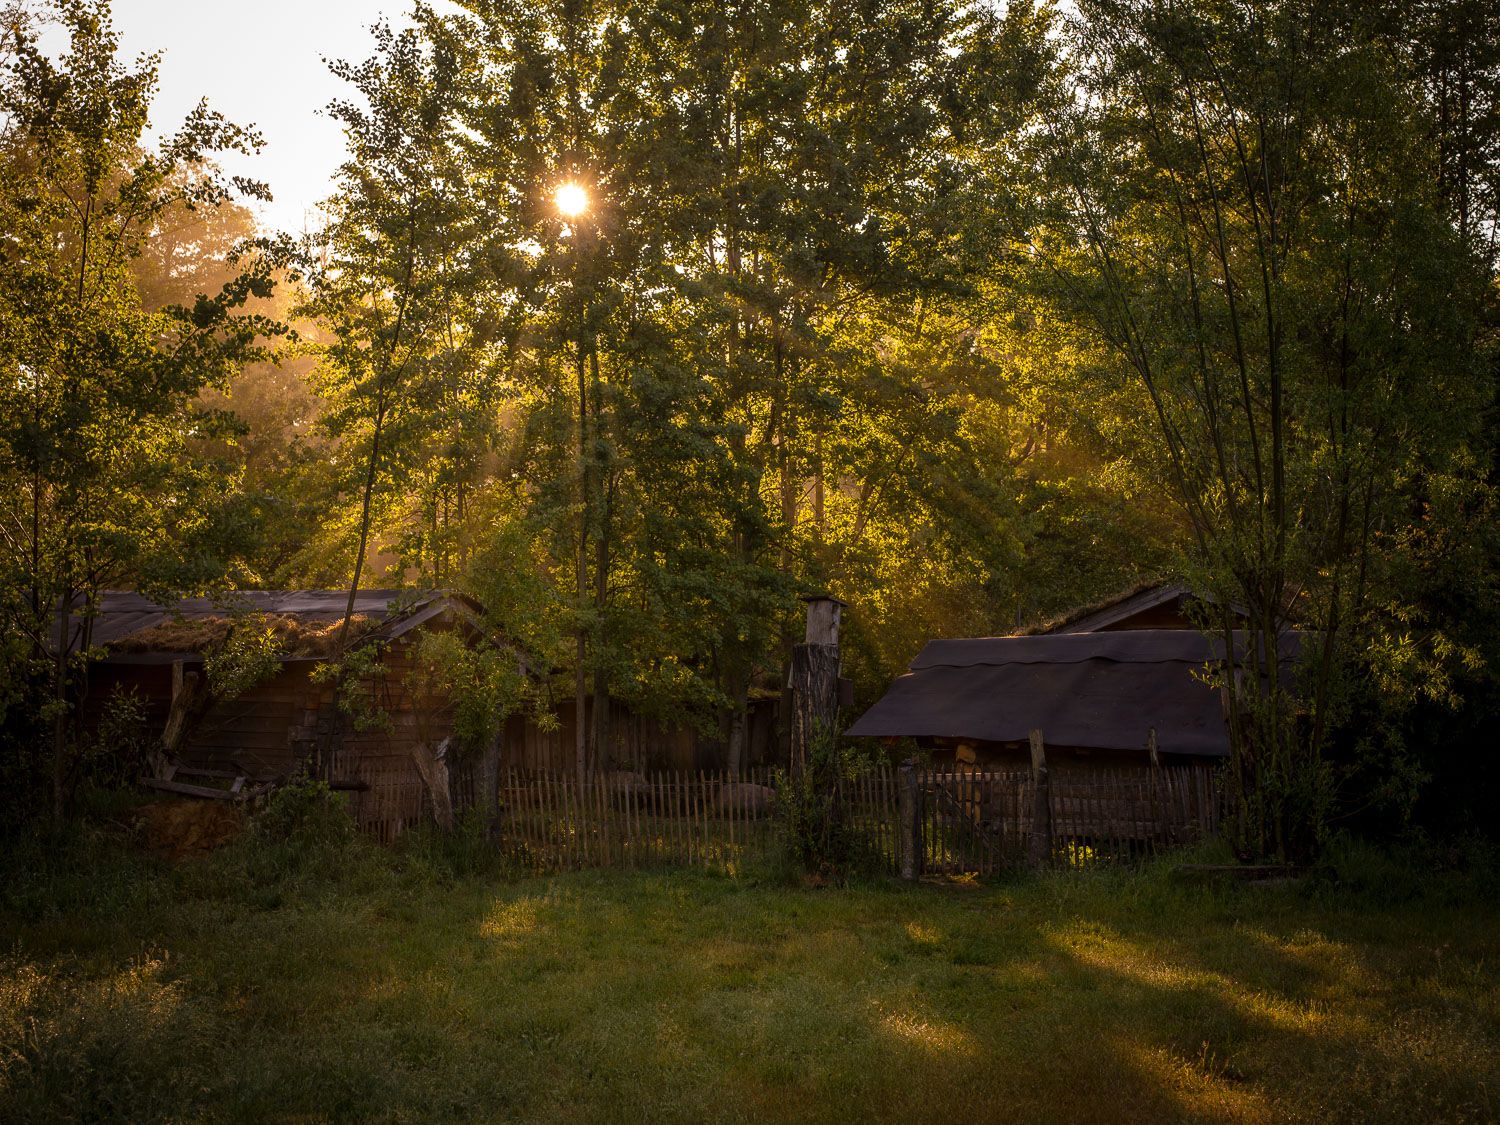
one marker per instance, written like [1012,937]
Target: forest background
[966,313]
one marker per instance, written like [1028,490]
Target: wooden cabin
[291,721]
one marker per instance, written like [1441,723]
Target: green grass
[359,984]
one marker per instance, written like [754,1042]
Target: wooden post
[1041,814]
[432,765]
[910,797]
[814,680]
[815,696]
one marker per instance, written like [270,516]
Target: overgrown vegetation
[341,981]
[817,840]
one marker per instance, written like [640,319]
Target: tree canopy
[964,313]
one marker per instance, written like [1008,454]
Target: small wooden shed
[291,721]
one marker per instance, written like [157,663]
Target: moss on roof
[295,636]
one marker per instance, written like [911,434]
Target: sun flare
[571,200]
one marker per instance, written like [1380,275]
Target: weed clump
[124,1047]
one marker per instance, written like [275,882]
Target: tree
[1249,219]
[730,376]
[98,410]
[379,280]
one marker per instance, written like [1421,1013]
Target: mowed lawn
[384,987]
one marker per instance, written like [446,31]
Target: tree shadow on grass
[603,996]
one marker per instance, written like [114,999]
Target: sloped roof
[1122,608]
[1095,690]
[123,614]
[1066,621]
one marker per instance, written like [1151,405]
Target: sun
[571,200]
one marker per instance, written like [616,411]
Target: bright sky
[260,62]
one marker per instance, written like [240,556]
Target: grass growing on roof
[400,985]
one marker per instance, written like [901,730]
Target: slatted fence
[981,820]
[556,821]
[385,791]
[965,821]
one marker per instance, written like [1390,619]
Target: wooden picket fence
[386,794]
[959,821]
[981,820]
[711,819]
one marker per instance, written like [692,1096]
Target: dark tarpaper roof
[1097,690]
[123,613]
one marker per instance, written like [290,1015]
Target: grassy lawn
[370,985]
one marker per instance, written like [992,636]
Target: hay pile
[295,635]
[180,829]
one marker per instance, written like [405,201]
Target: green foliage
[968,315]
[307,814]
[485,683]
[1245,216]
[355,676]
[114,754]
[251,652]
[809,806]
[104,480]
[744,370]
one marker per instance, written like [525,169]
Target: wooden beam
[910,798]
[1041,810]
[191,790]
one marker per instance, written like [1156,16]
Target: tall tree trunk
[739,705]
[382,404]
[603,500]
[60,702]
[364,519]
[819,521]
[580,683]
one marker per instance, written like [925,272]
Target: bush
[309,814]
[815,833]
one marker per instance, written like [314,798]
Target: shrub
[815,833]
[305,831]
[307,813]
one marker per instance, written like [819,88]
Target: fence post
[911,820]
[1041,810]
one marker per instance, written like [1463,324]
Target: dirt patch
[179,829]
